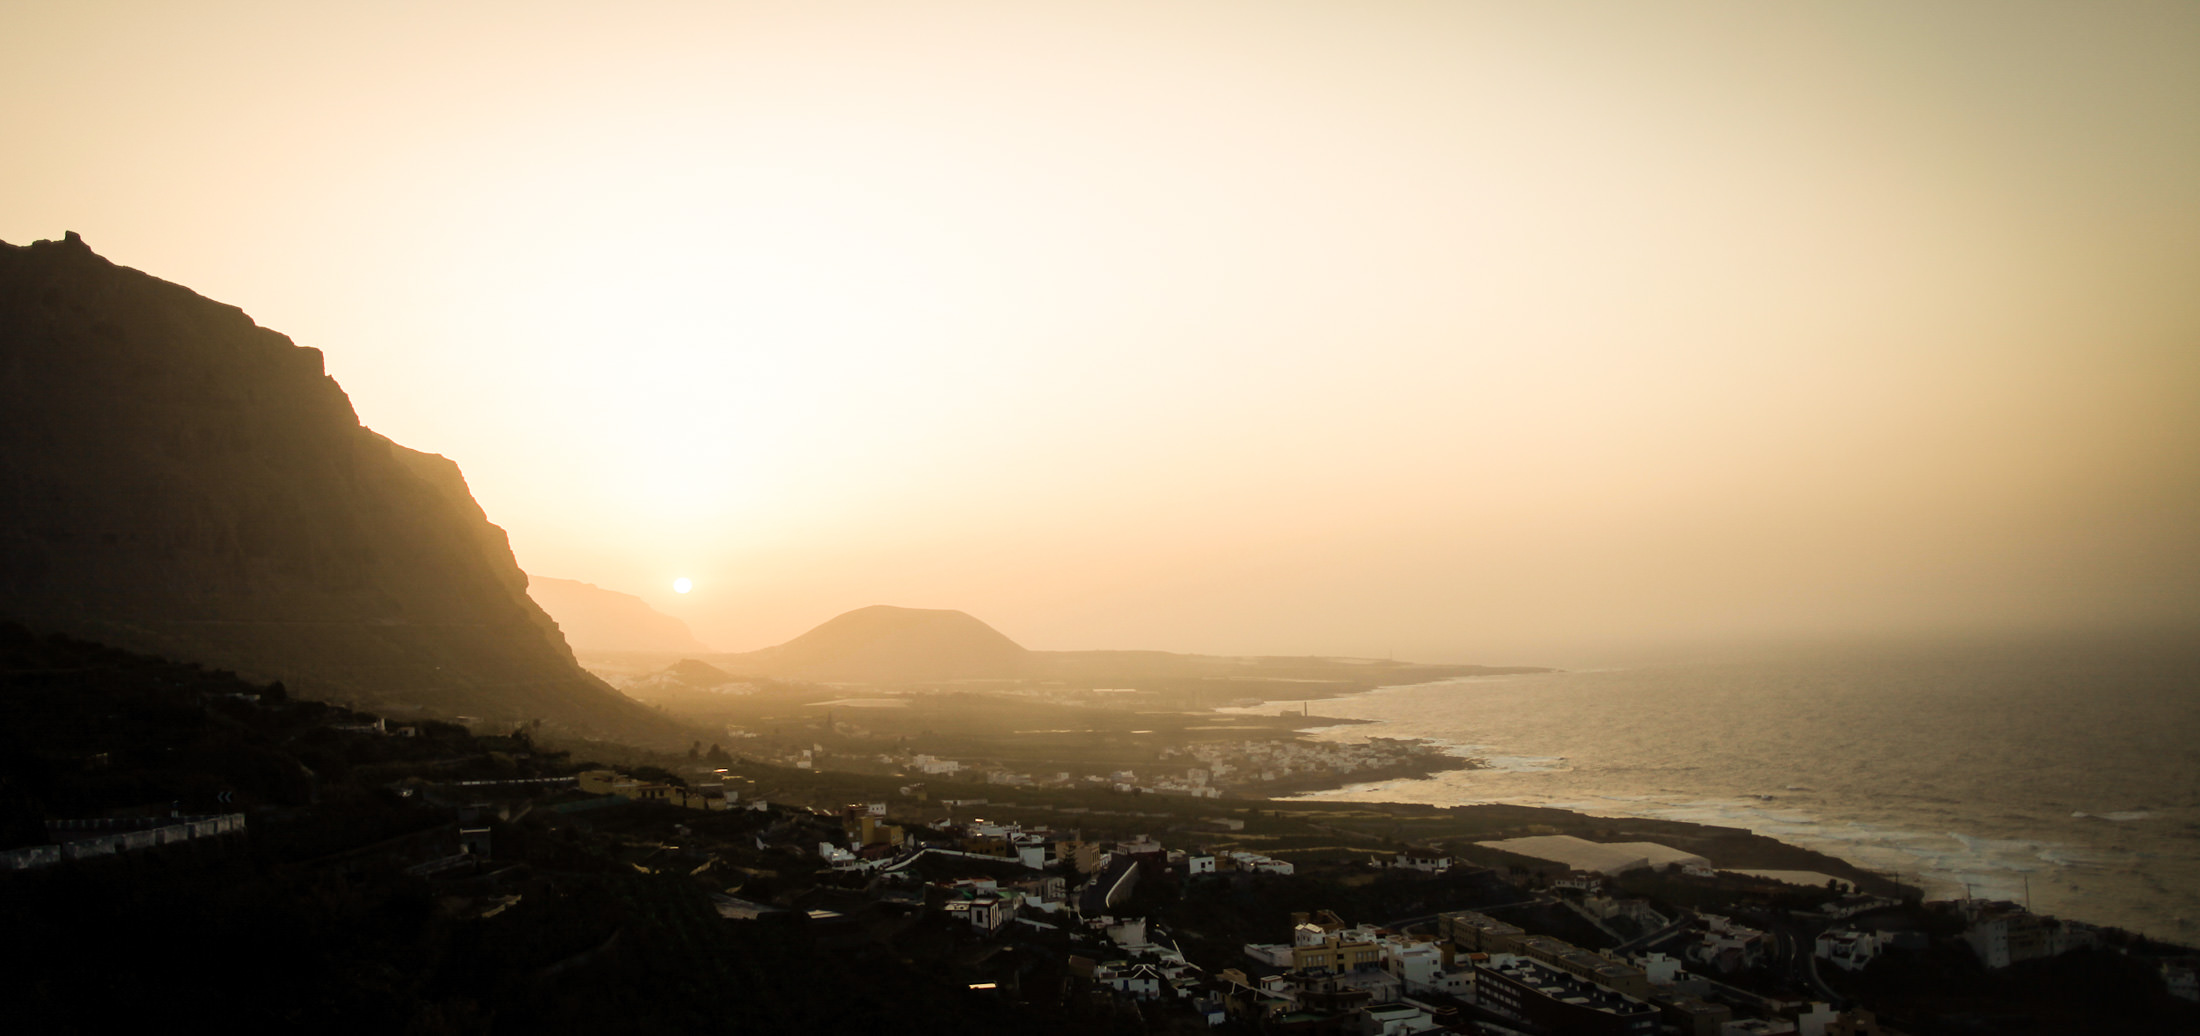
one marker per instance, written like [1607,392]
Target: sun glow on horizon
[1468,330]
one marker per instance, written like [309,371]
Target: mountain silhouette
[885,646]
[177,480]
[885,643]
[595,619]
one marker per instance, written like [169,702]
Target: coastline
[1738,847]
[1754,748]
[1422,767]
[1729,848]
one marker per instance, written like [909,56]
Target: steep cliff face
[176,479]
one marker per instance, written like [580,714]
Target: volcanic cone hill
[885,643]
[176,480]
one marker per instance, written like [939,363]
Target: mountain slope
[175,479]
[595,619]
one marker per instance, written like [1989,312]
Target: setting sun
[682,585]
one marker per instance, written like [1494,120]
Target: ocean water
[2068,771]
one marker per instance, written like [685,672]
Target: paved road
[1406,922]
[1677,924]
[1797,957]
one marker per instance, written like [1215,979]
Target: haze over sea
[2073,766]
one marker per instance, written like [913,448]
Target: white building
[931,764]
[1419,967]
[2182,980]
[1847,948]
[1257,863]
[1728,947]
[1426,860]
[2004,933]
[1397,1019]
[1142,981]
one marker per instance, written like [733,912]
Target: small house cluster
[710,795]
[1257,762]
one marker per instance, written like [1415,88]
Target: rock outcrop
[175,479]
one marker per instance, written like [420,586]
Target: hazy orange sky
[1474,332]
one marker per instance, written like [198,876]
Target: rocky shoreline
[1428,761]
[1729,848]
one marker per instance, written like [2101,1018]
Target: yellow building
[1353,949]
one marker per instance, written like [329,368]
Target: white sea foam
[1523,763]
[1965,773]
[1946,864]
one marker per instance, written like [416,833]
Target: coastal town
[687,893]
[1204,770]
[1584,952]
